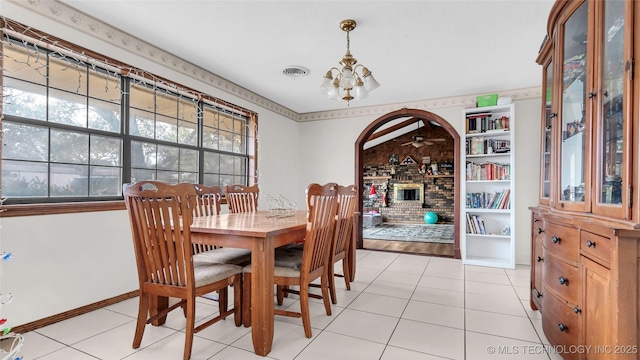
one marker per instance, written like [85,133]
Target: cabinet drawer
[561,325]
[563,242]
[562,278]
[596,245]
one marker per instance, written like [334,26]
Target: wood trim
[72,313]
[60,208]
[391,129]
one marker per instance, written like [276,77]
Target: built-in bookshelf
[488,164]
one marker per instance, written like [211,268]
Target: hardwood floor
[423,248]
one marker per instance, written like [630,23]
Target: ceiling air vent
[295,71]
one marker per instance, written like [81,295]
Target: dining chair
[242,198]
[160,215]
[343,236]
[340,246]
[208,199]
[321,215]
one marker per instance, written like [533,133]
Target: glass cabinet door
[611,166]
[575,129]
[548,117]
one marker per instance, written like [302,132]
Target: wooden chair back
[208,199]
[242,198]
[321,214]
[163,251]
[343,234]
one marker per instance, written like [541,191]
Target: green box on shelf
[487,100]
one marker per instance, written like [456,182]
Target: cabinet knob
[563,280]
[591,243]
[552,115]
[538,294]
[540,230]
[535,220]
[577,310]
[555,239]
[592,95]
[540,258]
[562,327]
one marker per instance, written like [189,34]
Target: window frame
[127,74]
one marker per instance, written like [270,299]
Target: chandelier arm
[356,68]
[333,68]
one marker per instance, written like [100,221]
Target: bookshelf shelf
[488,217]
[487,155]
[484,210]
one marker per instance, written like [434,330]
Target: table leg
[262,257]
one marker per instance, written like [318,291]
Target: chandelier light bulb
[327,82]
[334,91]
[361,91]
[347,81]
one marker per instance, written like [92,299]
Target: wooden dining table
[262,234]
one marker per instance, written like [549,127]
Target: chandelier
[340,86]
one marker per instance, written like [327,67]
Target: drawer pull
[540,231]
[535,220]
[540,259]
[538,294]
[591,243]
[562,327]
[563,280]
[577,310]
[555,239]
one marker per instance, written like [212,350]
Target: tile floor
[400,306]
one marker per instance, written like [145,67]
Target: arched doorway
[426,116]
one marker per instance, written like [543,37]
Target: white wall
[62,262]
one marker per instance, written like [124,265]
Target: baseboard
[71,313]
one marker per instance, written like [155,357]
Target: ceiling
[417,50]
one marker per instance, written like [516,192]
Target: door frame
[426,116]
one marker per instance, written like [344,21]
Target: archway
[426,116]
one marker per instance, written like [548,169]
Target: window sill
[60,208]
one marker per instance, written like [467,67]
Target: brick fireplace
[438,194]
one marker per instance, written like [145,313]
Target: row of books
[475,224]
[478,146]
[484,200]
[482,122]
[488,171]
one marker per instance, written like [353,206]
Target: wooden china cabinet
[585,274]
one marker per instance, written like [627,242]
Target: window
[75,131]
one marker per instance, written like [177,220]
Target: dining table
[262,232]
